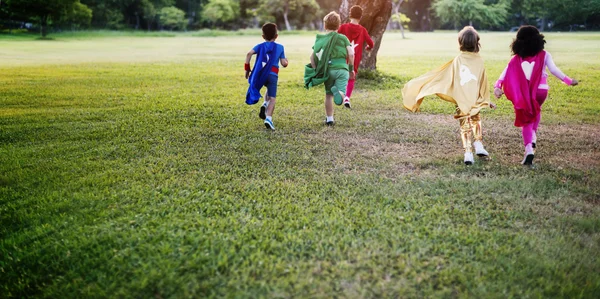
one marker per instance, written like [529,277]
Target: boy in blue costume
[265,72]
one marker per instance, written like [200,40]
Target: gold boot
[478,136]
[465,135]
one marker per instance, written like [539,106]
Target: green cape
[322,49]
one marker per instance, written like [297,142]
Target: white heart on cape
[527,68]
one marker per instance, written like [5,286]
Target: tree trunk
[396,10]
[285,17]
[543,22]
[376,15]
[44,25]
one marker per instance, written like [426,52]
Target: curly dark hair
[528,43]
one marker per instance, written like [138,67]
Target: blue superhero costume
[265,61]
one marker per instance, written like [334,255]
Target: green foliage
[400,18]
[79,17]
[220,12]
[173,18]
[47,11]
[296,14]
[465,12]
[129,175]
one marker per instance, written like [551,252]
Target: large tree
[46,11]
[376,15]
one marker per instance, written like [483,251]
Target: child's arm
[557,72]
[350,59]
[247,62]
[498,86]
[368,39]
[313,63]
[282,59]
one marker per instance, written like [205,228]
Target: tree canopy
[421,15]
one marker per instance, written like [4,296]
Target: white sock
[265,103]
[329,118]
[269,118]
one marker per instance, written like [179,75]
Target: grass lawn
[130,166]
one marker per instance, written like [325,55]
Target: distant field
[131,167]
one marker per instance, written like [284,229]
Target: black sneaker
[528,160]
[329,123]
[262,111]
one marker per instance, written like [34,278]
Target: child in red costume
[358,35]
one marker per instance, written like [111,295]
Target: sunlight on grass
[134,169]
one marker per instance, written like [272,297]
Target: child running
[265,72]
[329,64]
[357,35]
[525,83]
[461,81]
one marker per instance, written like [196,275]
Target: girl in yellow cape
[461,81]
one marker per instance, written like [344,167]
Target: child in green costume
[329,62]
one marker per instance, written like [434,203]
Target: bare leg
[329,105]
[271,106]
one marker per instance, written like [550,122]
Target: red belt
[275,69]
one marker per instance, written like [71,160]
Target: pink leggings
[530,129]
[350,87]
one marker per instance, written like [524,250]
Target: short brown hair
[332,21]
[269,31]
[356,12]
[468,39]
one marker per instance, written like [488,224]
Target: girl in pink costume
[525,83]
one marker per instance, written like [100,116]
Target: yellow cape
[461,81]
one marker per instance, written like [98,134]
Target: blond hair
[468,39]
[332,21]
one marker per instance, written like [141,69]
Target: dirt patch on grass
[416,142]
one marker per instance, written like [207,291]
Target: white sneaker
[529,155]
[479,150]
[469,158]
[347,102]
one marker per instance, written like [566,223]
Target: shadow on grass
[376,80]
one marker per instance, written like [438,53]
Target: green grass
[134,169]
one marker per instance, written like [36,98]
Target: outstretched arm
[557,72]
[247,62]
[498,86]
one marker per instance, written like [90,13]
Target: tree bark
[285,16]
[376,15]
[396,10]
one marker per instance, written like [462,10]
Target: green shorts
[338,78]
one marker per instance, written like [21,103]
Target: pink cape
[522,92]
